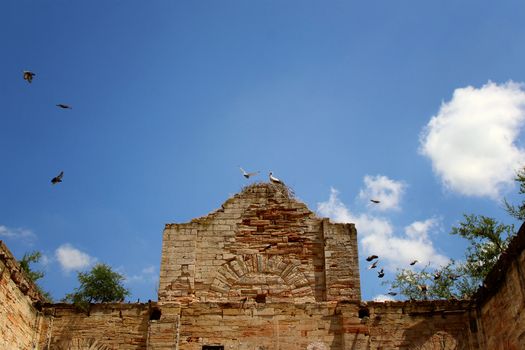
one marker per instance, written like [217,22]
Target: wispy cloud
[71,258]
[389,192]
[377,235]
[146,275]
[22,234]
[472,139]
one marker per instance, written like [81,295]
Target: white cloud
[376,236]
[17,233]
[383,298]
[71,258]
[387,191]
[472,140]
[147,274]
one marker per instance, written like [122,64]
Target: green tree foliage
[33,275]
[517,211]
[100,285]
[487,240]
[27,259]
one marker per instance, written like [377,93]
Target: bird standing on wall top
[57,178]
[372,257]
[63,106]
[247,174]
[28,75]
[274,180]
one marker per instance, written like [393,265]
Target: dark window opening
[364,312]
[260,298]
[154,314]
[213,347]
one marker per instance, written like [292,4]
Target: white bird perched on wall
[247,174]
[274,180]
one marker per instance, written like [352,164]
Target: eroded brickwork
[502,304]
[260,244]
[105,327]
[19,319]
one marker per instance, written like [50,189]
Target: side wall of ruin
[502,309]
[19,320]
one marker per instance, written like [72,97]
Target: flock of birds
[381,273]
[28,76]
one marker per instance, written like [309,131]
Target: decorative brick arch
[256,274]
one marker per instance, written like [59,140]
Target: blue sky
[419,103]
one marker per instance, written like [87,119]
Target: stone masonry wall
[19,319]
[316,326]
[107,326]
[502,300]
[260,244]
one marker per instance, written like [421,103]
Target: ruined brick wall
[264,273]
[19,319]
[316,326]
[260,244]
[107,326]
[425,325]
[502,300]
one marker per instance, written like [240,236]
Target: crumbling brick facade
[265,273]
[260,244]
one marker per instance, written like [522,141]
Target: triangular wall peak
[263,245]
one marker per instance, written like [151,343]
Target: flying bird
[372,257]
[375,201]
[247,174]
[381,273]
[274,180]
[392,293]
[373,265]
[413,262]
[437,275]
[28,75]
[57,178]
[63,106]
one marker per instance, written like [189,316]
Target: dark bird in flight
[274,180]
[375,201]
[57,178]
[247,174]
[28,76]
[392,293]
[413,262]
[381,273]
[63,106]
[373,265]
[372,257]
[437,275]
